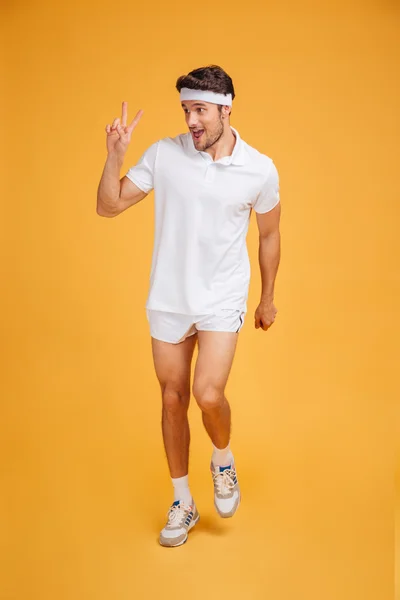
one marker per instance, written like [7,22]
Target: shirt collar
[236,158]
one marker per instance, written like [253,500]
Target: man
[206,183]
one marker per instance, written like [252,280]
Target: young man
[206,183]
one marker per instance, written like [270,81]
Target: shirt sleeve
[268,197]
[142,174]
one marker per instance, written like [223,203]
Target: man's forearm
[269,257]
[109,187]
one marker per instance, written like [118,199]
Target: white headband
[206,96]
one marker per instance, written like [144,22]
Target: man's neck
[224,146]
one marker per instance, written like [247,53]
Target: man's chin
[200,145]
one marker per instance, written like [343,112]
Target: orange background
[85,486]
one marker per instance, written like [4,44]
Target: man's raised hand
[119,134]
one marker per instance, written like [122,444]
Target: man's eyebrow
[196,104]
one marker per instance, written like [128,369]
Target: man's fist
[265,315]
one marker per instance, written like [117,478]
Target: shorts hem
[169,341]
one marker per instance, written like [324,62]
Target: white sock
[222,458]
[181,490]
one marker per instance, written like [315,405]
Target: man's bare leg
[172,363]
[173,368]
[216,354]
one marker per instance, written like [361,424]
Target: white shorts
[175,328]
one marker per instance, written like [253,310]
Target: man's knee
[175,400]
[208,397]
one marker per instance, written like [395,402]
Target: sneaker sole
[192,524]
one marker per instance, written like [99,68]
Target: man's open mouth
[197,134]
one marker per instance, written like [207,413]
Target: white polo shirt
[200,261]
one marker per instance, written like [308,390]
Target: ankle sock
[181,490]
[222,458]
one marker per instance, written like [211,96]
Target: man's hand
[119,133]
[265,315]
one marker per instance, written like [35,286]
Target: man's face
[204,121]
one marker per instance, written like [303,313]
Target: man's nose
[192,119]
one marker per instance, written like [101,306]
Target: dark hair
[211,78]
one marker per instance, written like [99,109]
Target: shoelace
[177,514]
[224,481]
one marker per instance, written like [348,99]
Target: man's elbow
[101,213]
[267,236]
[106,211]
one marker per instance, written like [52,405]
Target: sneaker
[181,519]
[226,489]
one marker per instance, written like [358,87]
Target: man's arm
[115,195]
[269,257]
[269,250]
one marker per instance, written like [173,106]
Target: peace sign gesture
[119,134]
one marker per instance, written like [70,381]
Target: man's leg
[214,363]
[216,354]
[172,363]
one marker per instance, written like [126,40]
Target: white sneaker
[226,489]
[181,519]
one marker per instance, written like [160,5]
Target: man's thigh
[172,363]
[215,359]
